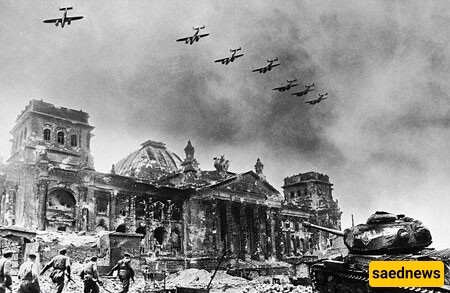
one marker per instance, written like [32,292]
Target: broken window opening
[158,234]
[158,211]
[47,134]
[122,206]
[62,200]
[122,228]
[102,205]
[61,228]
[175,239]
[73,140]
[102,224]
[60,137]
[140,207]
[141,230]
[176,213]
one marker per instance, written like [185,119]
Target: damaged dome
[150,162]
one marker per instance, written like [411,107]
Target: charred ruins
[157,203]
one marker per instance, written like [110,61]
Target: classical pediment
[247,185]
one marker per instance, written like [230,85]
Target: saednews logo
[406,274]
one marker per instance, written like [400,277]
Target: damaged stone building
[49,183]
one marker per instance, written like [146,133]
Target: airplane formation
[270,65]
[225,61]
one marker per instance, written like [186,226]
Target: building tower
[259,169]
[190,164]
[63,134]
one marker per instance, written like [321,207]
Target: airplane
[318,100]
[64,19]
[268,67]
[233,57]
[195,38]
[305,91]
[287,87]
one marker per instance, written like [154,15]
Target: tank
[384,236]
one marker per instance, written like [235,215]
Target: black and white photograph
[222,146]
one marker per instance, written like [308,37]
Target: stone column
[113,210]
[257,248]
[232,232]
[244,249]
[277,232]
[262,235]
[216,227]
[42,188]
[132,223]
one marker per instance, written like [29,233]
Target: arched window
[121,228]
[158,234]
[46,134]
[61,137]
[73,140]
[25,133]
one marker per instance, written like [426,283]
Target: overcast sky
[382,135]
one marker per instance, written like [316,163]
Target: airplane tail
[65,8]
[198,28]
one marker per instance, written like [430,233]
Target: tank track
[325,280]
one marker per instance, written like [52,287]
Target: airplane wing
[223,60]
[280,89]
[52,20]
[299,94]
[74,17]
[237,56]
[183,39]
[312,102]
[258,70]
[204,35]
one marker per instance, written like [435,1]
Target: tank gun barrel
[329,230]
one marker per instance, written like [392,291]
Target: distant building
[49,183]
[308,197]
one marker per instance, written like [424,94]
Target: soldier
[28,274]
[5,272]
[125,270]
[60,264]
[89,275]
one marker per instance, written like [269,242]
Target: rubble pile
[274,288]
[80,246]
[195,278]
[191,278]
[222,282]
[109,285]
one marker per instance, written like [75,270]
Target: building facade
[50,183]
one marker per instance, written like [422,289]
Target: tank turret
[384,233]
[384,236]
